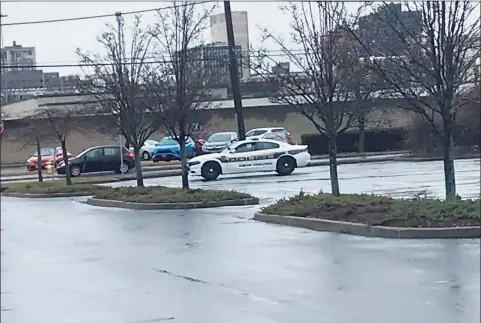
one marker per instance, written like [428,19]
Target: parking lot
[64,261]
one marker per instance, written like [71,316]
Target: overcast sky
[55,43]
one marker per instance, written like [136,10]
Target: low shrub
[150,194]
[49,187]
[161,194]
[380,210]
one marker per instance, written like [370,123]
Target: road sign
[1,126]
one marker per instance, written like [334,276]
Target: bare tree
[319,90]
[431,65]
[35,130]
[180,85]
[364,85]
[60,122]
[121,81]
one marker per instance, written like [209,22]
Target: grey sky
[56,42]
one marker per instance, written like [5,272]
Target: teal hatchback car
[168,149]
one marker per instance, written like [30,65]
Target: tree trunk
[68,180]
[333,164]
[39,162]
[448,160]
[138,167]
[183,163]
[362,132]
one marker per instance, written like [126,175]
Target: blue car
[168,149]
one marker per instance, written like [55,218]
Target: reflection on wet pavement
[64,261]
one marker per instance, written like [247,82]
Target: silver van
[218,141]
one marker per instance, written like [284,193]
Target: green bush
[379,210]
[49,187]
[150,194]
[161,194]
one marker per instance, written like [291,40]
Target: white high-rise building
[218,33]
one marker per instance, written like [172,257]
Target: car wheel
[122,168]
[145,155]
[75,170]
[285,165]
[211,170]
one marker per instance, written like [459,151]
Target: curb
[45,195]
[427,159]
[170,206]
[14,165]
[128,177]
[371,231]
[317,162]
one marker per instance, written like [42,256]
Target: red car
[48,154]
[198,145]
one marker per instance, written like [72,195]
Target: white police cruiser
[251,155]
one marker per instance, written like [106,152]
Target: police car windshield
[219,137]
[230,147]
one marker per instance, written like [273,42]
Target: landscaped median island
[48,189]
[377,216]
[160,197]
[139,198]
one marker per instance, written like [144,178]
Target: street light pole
[234,74]
[118,17]
[4,72]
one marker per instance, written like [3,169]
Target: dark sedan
[99,159]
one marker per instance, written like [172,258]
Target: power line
[96,16]
[126,63]
[280,52]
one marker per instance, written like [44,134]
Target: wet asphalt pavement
[397,179]
[104,265]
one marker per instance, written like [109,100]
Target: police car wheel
[75,170]
[210,171]
[285,165]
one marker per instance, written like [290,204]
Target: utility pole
[120,68]
[234,74]
[4,72]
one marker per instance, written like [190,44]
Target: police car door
[265,157]
[239,160]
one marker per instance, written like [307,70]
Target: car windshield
[168,141]
[231,147]
[46,152]
[83,152]
[219,137]
[255,133]
[150,142]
